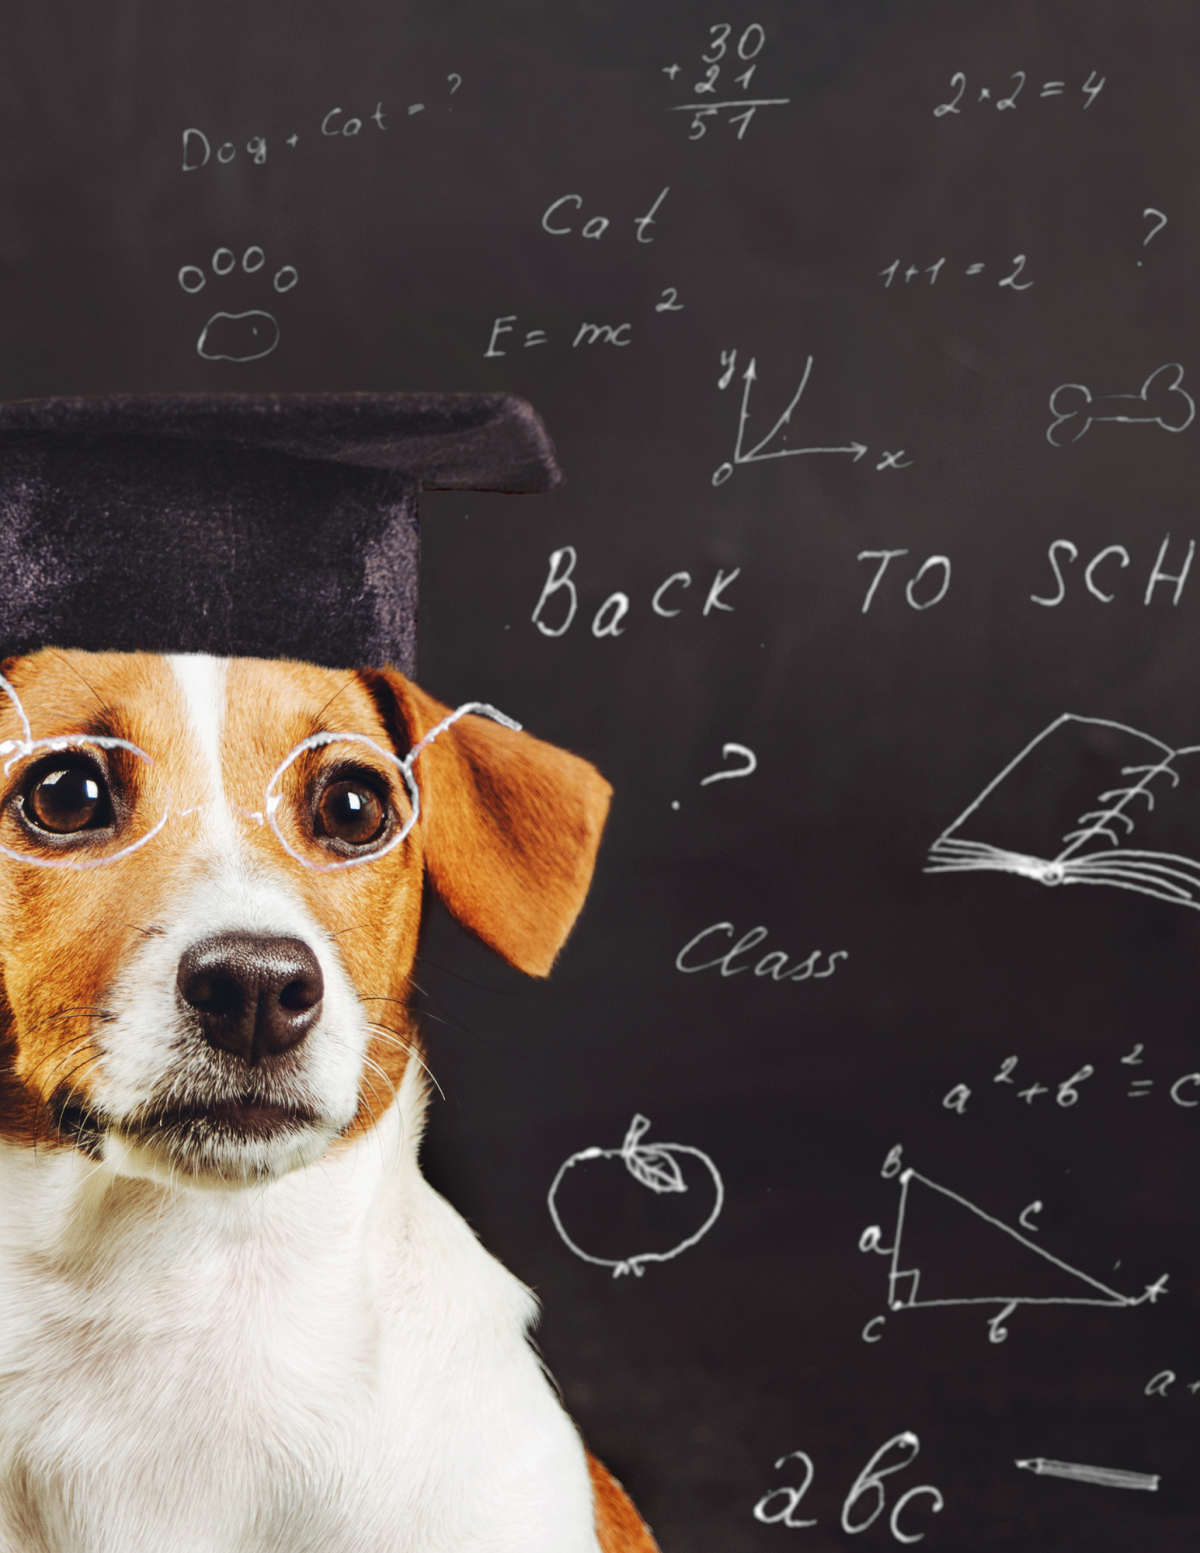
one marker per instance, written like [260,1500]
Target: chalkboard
[850,1147]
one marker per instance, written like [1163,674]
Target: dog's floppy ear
[510,826]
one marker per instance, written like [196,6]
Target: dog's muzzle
[252,997]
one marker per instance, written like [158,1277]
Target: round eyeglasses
[64,800]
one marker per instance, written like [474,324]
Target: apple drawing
[653,1165]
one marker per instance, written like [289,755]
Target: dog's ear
[510,826]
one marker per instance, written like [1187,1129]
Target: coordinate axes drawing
[1093,850]
[653,1165]
[904,1283]
[760,452]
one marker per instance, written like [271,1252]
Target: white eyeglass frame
[13,750]
[272,799]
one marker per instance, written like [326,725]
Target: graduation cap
[242,525]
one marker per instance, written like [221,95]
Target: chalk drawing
[653,1165]
[904,1282]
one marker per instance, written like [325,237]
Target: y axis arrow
[756,454]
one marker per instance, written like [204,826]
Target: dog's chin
[224,1145]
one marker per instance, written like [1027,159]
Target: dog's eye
[352,812]
[69,798]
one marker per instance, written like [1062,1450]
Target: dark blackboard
[968,232]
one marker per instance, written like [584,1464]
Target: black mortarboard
[256,525]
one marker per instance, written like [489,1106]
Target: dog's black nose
[255,997]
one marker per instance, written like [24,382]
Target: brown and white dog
[233,1316]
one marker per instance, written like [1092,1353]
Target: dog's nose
[254,996]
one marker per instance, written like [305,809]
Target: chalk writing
[586,334]
[1091,89]
[760,452]
[198,151]
[870,1481]
[1093,851]
[1161,401]
[904,1283]
[934,591]
[778,1506]
[556,219]
[1064,550]
[348,126]
[1067,1092]
[775,965]
[1160,221]
[783,1514]
[1180,1095]
[749,763]
[202,149]
[1160,1385]
[740,63]
[607,619]
[912,271]
[652,1165]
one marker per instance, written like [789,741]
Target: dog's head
[209,913]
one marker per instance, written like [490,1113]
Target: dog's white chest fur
[330,1363]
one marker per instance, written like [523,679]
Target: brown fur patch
[619,1528]
[510,825]
[508,832]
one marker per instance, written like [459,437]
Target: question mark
[1154,231]
[727,750]
[457,79]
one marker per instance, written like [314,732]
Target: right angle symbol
[988,1262]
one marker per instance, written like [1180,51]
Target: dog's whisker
[386,1031]
[91,688]
[500,992]
[351,681]
[447,1017]
[72,1011]
[153,931]
[86,1107]
[72,1089]
[61,1060]
[450,1019]
[379,1101]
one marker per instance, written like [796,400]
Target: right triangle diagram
[947,1251]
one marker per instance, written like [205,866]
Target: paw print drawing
[244,336]
[658,1167]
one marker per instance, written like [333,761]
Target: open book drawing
[1088,801]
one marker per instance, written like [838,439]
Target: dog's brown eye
[68,799]
[352,812]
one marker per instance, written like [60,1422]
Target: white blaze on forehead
[202,681]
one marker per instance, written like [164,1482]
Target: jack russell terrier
[234,1318]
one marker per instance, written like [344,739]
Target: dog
[234,1318]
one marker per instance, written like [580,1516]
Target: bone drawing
[1162,392]
[652,1165]
[1078,792]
